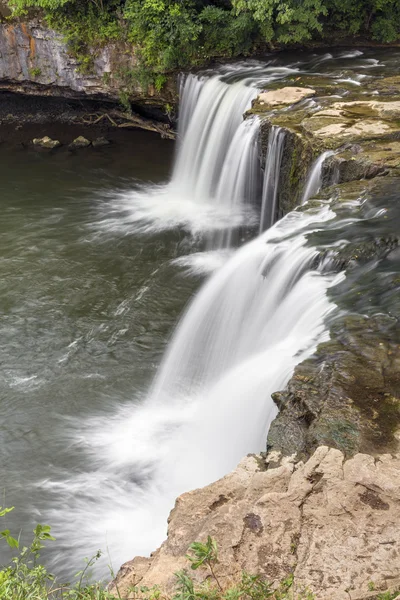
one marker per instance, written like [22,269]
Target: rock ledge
[334,523]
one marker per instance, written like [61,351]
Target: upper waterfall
[216,177]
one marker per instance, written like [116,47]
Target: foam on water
[260,314]
[215,178]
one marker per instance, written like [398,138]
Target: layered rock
[363,130]
[36,60]
[334,524]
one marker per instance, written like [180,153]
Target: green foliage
[25,579]
[378,19]
[124,101]
[176,34]
[285,21]
[35,72]
[388,595]
[203,553]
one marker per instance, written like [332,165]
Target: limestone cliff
[36,60]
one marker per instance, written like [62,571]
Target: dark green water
[84,314]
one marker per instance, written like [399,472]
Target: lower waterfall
[258,316]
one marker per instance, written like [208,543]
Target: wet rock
[364,132]
[385,86]
[100,141]
[282,97]
[384,110]
[347,395]
[79,142]
[334,130]
[46,142]
[334,523]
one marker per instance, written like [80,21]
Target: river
[100,253]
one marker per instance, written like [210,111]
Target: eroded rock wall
[36,60]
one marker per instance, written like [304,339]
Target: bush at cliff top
[171,34]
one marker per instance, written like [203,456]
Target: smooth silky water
[100,253]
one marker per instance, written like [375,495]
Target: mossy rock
[385,86]
[345,396]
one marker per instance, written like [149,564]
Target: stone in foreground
[334,523]
[100,141]
[46,142]
[79,142]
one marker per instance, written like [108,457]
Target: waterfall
[314,180]
[216,176]
[273,160]
[217,158]
[262,312]
[252,321]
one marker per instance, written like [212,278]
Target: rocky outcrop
[36,60]
[334,524]
[363,131]
[346,395]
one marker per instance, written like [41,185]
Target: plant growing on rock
[249,587]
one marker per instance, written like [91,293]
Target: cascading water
[115,476]
[216,176]
[259,315]
[269,203]
[253,320]
[314,180]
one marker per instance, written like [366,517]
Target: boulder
[334,524]
[100,141]
[79,142]
[46,142]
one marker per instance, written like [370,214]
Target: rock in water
[283,97]
[100,141]
[46,142]
[79,142]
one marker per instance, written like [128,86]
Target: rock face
[346,395]
[36,60]
[363,131]
[334,523]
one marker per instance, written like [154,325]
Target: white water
[215,179]
[239,340]
[314,180]
[273,161]
[261,313]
